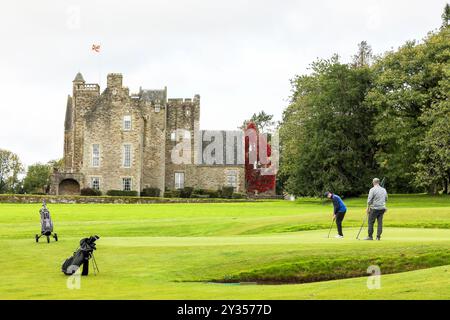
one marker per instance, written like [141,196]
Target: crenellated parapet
[89,87]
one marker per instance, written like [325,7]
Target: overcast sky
[238,55]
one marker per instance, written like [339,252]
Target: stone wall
[106,199]
[214,177]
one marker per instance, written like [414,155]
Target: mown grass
[172,250]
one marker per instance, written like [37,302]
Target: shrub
[186,192]
[151,192]
[168,194]
[200,191]
[121,193]
[213,193]
[227,192]
[172,194]
[198,195]
[90,192]
[237,195]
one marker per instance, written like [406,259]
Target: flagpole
[99,72]
[96,49]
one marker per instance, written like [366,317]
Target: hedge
[151,192]
[90,192]
[227,192]
[186,192]
[121,193]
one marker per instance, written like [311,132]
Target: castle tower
[183,117]
[84,97]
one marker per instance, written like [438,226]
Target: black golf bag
[81,257]
[46,224]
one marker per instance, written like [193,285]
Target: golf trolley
[46,224]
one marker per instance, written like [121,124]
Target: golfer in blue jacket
[339,211]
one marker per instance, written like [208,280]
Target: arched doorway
[69,187]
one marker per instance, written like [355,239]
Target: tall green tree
[406,86]
[326,131]
[10,169]
[263,121]
[364,56]
[446,16]
[433,167]
[37,179]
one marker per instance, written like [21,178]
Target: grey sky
[238,55]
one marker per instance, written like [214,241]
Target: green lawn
[179,251]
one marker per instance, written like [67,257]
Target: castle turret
[77,82]
[114,80]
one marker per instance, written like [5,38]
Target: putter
[332,222]
[364,220]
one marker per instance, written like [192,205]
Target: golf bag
[81,257]
[46,224]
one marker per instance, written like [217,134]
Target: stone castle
[114,140]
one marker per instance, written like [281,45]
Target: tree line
[385,116]
[14,179]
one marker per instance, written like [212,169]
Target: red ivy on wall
[255,181]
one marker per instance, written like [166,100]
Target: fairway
[217,251]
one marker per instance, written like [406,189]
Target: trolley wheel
[48,239]
[37,238]
[55,236]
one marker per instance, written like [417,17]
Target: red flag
[96,47]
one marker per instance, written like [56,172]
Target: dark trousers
[339,217]
[376,214]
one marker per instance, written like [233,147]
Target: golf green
[218,251]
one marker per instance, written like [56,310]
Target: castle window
[126,184]
[95,183]
[173,136]
[127,155]
[231,178]
[127,123]
[96,155]
[179,180]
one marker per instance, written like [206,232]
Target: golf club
[364,220]
[332,222]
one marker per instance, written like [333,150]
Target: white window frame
[179,179]
[127,123]
[124,181]
[95,152]
[127,158]
[231,178]
[93,179]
